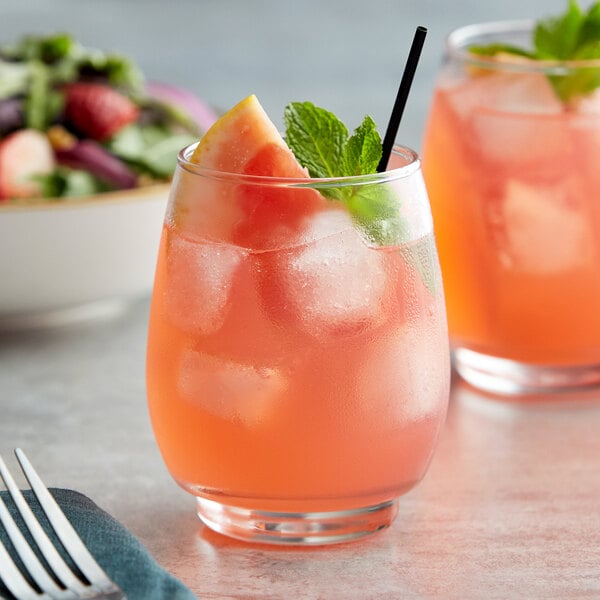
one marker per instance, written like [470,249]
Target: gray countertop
[510,507]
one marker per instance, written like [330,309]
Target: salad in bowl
[76,121]
[87,150]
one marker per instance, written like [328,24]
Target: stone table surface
[510,507]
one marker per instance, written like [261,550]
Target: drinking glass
[511,162]
[298,360]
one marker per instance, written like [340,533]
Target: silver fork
[98,585]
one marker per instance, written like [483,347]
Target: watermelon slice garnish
[245,141]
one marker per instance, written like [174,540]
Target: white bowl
[75,259]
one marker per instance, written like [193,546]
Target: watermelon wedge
[252,215]
[244,140]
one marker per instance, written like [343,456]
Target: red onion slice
[203,114]
[90,156]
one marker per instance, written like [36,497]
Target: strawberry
[98,111]
[23,155]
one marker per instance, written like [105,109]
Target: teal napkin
[118,552]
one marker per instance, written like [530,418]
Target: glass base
[303,529]
[503,376]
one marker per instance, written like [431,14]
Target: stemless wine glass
[511,161]
[298,360]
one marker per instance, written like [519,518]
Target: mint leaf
[574,35]
[589,32]
[579,82]
[558,37]
[376,209]
[363,150]
[317,138]
[320,142]
[497,48]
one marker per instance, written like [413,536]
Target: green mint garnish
[363,149]
[321,143]
[497,48]
[317,138]
[574,35]
[558,37]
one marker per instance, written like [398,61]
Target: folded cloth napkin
[125,560]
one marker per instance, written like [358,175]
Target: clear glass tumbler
[511,161]
[298,360]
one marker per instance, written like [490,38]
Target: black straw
[402,96]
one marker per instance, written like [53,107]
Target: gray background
[346,56]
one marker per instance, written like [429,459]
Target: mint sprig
[322,144]
[363,150]
[317,138]
[573,35]
[557,38]
[499,48]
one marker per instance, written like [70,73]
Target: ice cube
[230,390]
[520,144]
[514,120]
[407,372]
[545,229]
[325,223]
[333,283]
[523,93]
[199,281]
[529,93]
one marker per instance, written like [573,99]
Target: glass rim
[411,156]
[456,45]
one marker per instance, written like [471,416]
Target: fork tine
[16,584]
[64,530]
[27,556]
[49,552]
